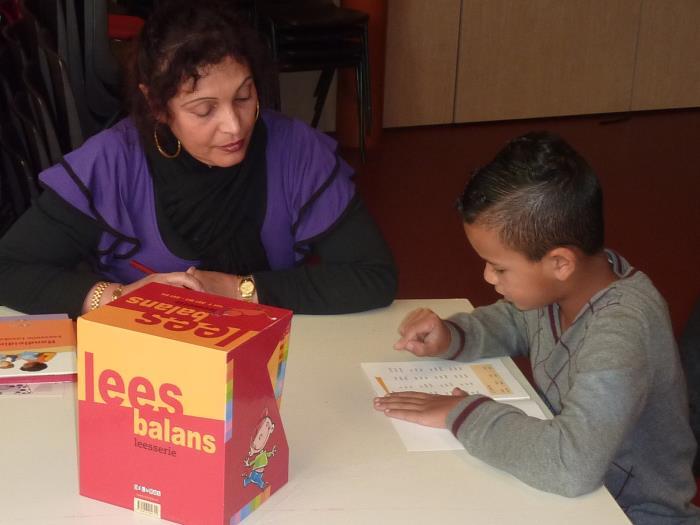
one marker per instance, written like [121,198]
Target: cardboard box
[178,404]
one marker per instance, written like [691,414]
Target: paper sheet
[489,377]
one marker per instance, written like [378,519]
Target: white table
[348,464]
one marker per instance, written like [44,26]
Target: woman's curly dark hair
[178,39]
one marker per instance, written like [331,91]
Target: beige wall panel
[535,58]
[421,57]
[668,57]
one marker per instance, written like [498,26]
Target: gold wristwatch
[246,288]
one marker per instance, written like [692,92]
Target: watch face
[246,287]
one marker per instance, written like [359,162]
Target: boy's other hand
[430,410]
[423,333]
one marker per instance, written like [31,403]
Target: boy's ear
[561,262]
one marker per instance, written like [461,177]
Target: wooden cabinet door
[668,57]
[421,53]
[537,58]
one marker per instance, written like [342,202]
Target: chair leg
[367,85]
[360,110]
[17,198]
[321,92]
[276,90]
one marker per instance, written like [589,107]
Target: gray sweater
[615,386]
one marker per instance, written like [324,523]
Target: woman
[199,188]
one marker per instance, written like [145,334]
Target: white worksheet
[488,377]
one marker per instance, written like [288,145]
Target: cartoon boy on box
[258,457]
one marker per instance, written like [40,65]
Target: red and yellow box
[178,404]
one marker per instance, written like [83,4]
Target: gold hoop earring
[257,110]
[161,150]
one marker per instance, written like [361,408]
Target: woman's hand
[430,410]
[219,283]
[181,279]
[423,333]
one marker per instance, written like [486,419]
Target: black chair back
[310,35]
[18,181]
[73,119]
[36,144]
[28,36]
[99,69]
[42,116]
[51,16]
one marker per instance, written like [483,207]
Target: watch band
[97,293]
[118,291]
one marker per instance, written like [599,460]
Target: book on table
[488,377]
[37,349]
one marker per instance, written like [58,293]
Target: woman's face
[214,120]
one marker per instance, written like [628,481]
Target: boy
[597,333]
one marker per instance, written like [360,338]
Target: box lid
[199,318]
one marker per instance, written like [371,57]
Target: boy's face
[524,283]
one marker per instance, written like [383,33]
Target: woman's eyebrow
[193,101]
[245,82]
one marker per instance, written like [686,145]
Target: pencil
[141,267]
[382,384]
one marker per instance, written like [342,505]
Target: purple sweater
[308,188]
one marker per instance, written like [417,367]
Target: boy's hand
[423,333]
[430,410]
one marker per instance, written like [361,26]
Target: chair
[17,177]
[73,119]
[311,35]
[11,127]
[36,145]
[98,53]
[9,11]
[31,76]
[7,214]
[93,69]
[73,57]
[59,50]
[123,27]
[13,197]
[33,100]
[20,177]
[51,17]
[17,180]
[24,38]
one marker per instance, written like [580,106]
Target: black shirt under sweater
[43,270]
